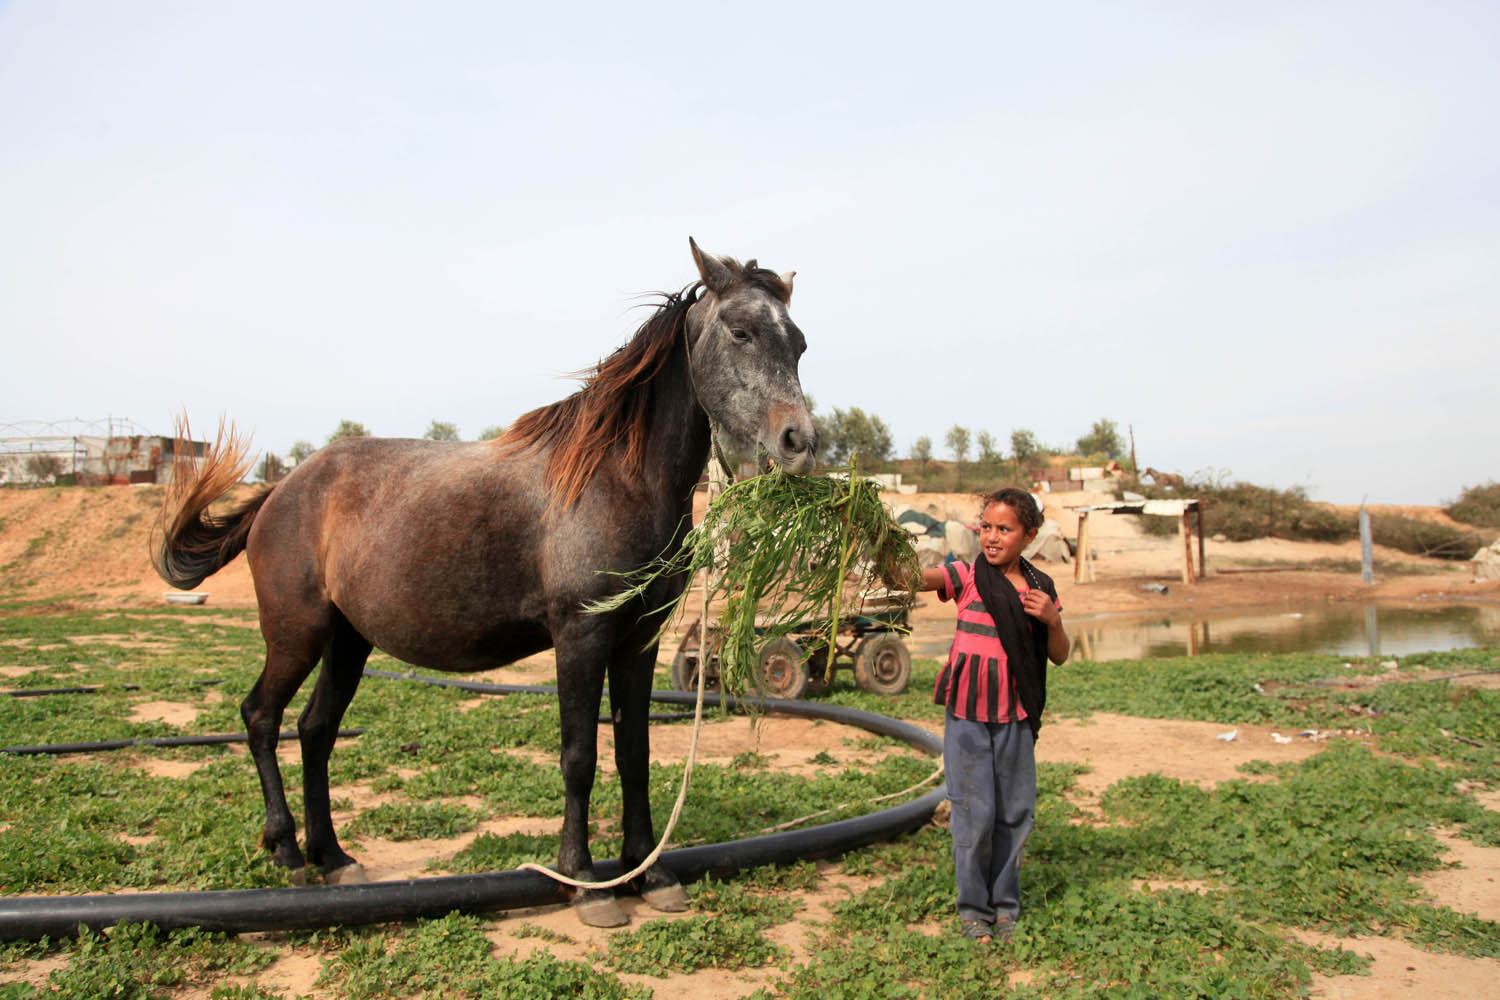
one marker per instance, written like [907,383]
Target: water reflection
[1342,629]
[1345,630]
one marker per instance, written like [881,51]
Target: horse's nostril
[792,442]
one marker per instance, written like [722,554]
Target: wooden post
[1083,565]
[1186,535]
[1202,563]
[1080,553]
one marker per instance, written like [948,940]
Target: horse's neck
[678,440]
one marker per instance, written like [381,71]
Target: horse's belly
[461,650]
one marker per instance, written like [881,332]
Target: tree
[348,429]
[987,450]
[440,430]
[491,432]
[854,431]
[299,451]
[271,468]
[957,440]
[921,449]
[822,428]
[43,468]
[1102,439]
[1024,445]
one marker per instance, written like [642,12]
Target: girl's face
[1002,538]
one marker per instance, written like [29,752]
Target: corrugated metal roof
[1166,508]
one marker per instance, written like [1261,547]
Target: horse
[1166,480]
[465,556]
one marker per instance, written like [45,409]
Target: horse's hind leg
[262,711]
[318,727]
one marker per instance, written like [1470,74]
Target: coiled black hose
[300,908]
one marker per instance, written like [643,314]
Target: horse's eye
[742,335]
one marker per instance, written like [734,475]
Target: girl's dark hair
[1028,512]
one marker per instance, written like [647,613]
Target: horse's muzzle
[796,448]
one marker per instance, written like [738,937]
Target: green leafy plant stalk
[779,551]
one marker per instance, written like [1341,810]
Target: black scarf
[1023,637]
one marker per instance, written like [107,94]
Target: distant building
[76,453]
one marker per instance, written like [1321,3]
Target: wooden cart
[870,643]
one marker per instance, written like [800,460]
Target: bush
[1477,505]
[1314,522]
[1243,511]
[1425,538]
[44,468]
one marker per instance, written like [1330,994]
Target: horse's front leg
[630,700]
[580,683]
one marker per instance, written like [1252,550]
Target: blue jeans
[991,768]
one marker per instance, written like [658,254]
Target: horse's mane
[615,405]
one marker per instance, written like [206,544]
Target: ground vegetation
[1250,887]
[1477,505]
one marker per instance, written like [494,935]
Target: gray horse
[469,556]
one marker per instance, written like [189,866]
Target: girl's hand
[1038,605]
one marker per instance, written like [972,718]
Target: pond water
[1342,629]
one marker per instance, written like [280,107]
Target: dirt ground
[88,548]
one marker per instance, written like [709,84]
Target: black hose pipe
[199,740]
[244,910]
[90,689]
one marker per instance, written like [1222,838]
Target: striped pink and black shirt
[975,685]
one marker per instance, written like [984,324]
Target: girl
[994,687]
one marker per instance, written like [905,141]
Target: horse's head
[744,349]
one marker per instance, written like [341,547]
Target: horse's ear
[715,275]
[786,279]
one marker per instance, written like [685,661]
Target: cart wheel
[685,672]
[882,664]
[783,670]
[817,663]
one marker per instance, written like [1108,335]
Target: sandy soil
[88,548]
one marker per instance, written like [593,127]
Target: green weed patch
[1333,843]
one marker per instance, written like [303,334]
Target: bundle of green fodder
[783,553]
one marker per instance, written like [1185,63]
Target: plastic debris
[1281,739]
[1156,588]
[1229,736]
[1259,689]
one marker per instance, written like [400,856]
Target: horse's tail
[190,543]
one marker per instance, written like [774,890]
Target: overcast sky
[1267,239]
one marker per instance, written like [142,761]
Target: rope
[687,774]
[938,773]
[716,456]
[692,757]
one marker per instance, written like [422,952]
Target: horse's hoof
[600,911]
[351,874]
[667,898]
